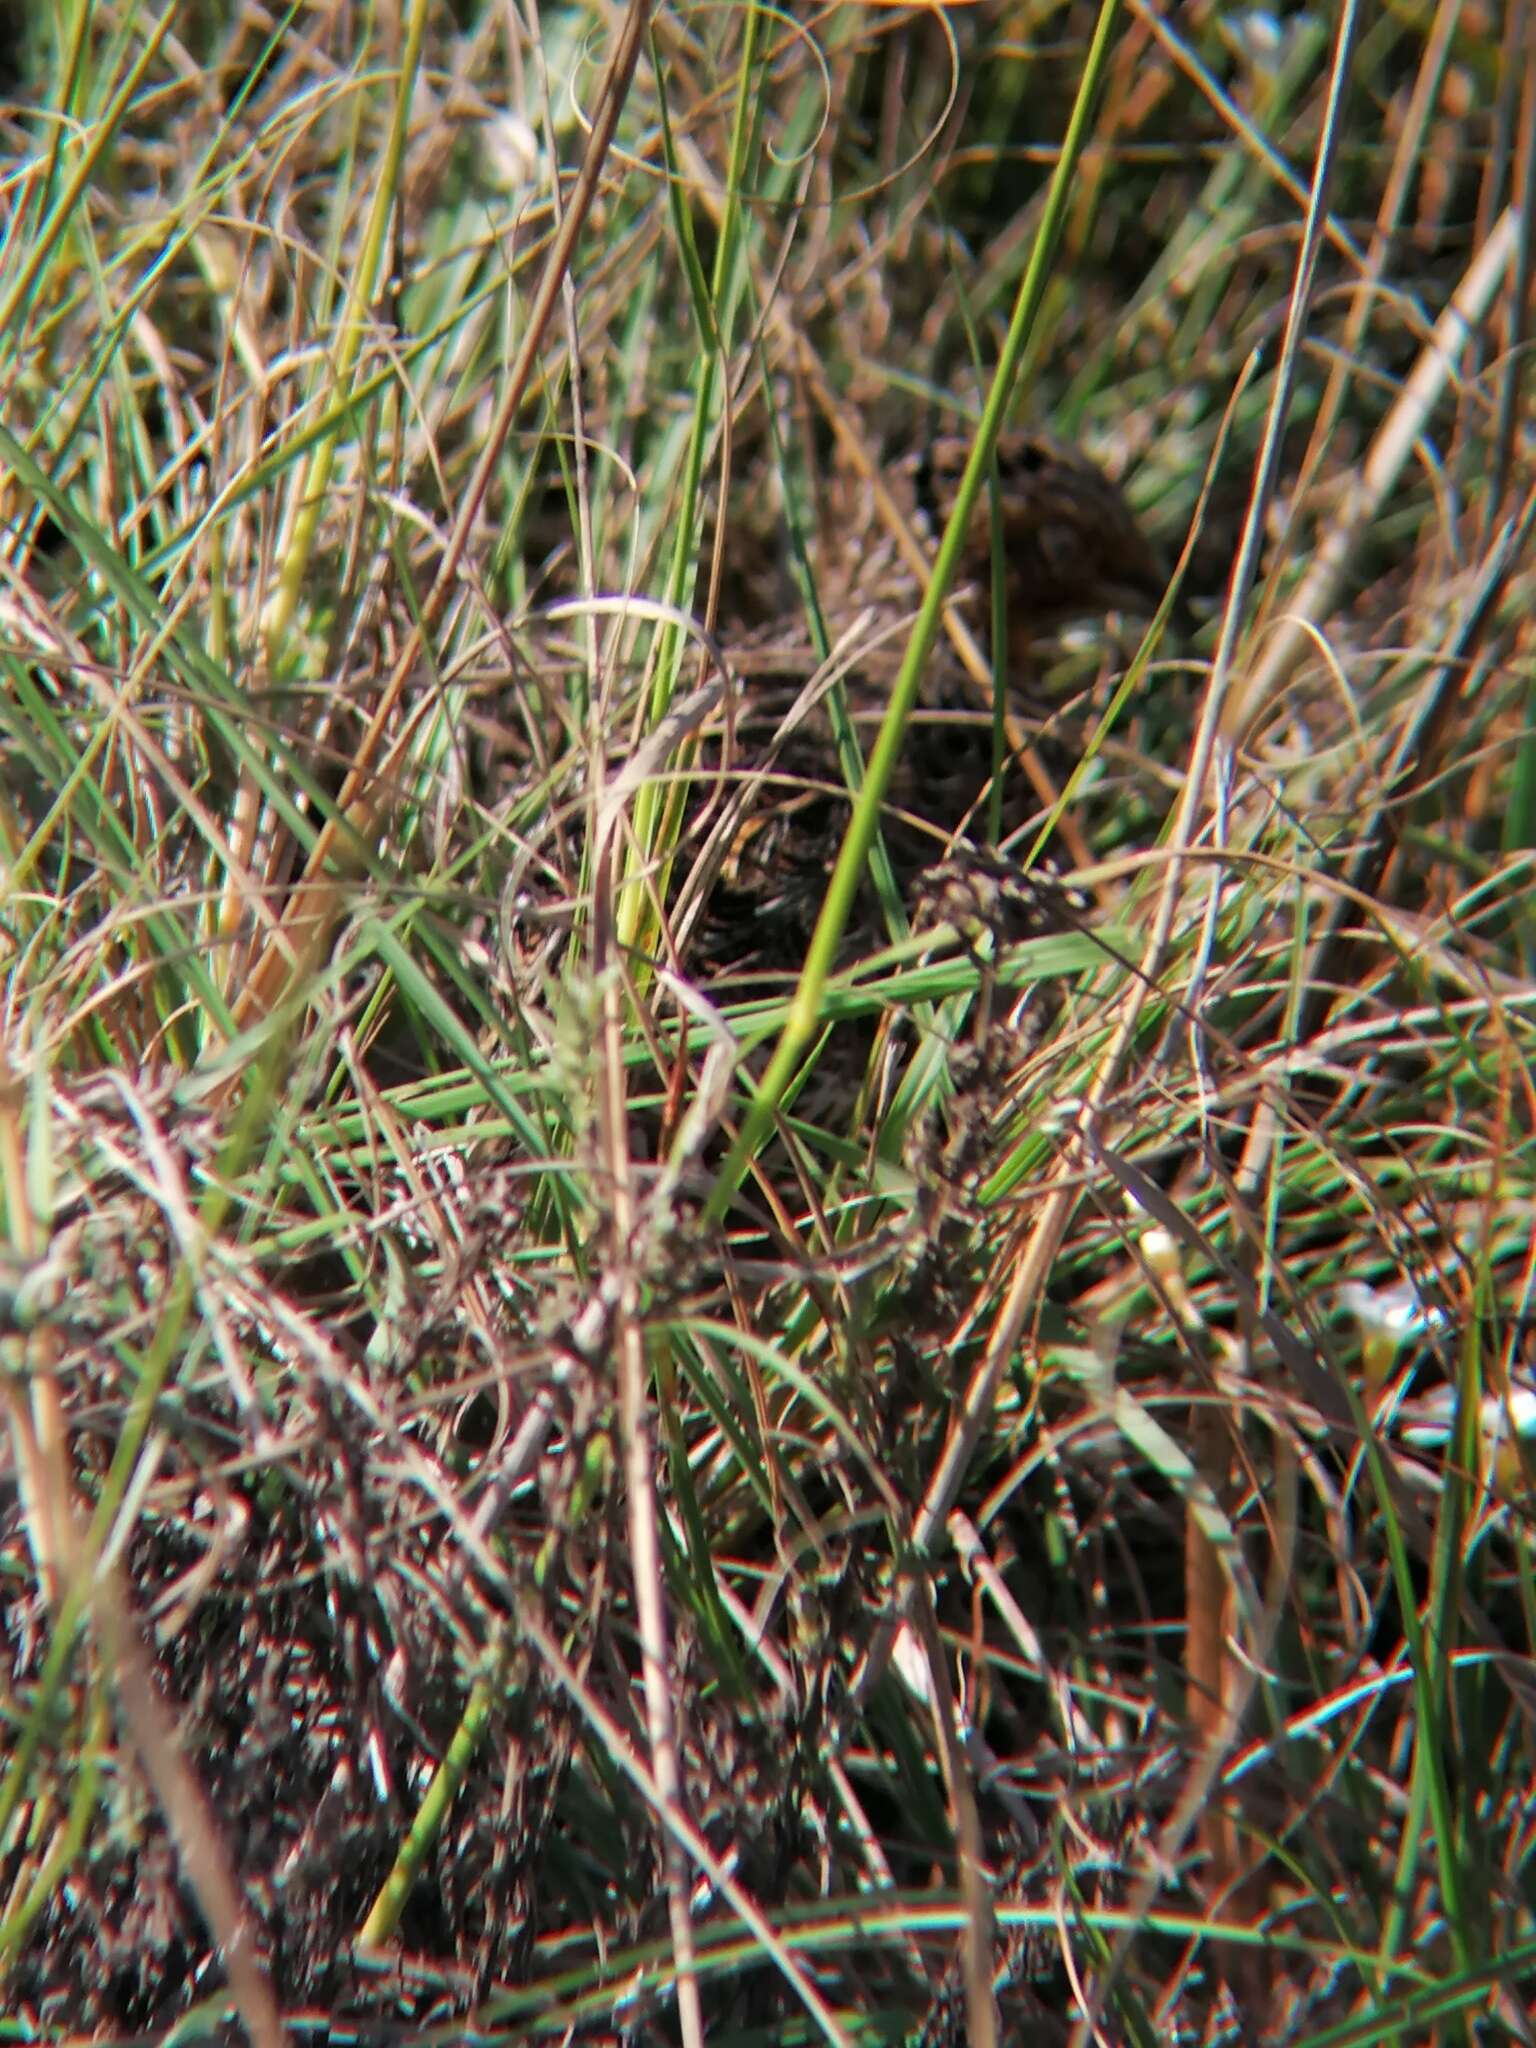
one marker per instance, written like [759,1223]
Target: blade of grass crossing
[838,902]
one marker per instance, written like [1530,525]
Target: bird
[1072,546]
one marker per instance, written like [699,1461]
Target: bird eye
[1029,458]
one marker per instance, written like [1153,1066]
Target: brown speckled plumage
[1072,544]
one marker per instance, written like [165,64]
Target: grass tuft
[765,1160]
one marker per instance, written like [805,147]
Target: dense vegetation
[766,811]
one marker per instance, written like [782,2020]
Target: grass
[719,1321]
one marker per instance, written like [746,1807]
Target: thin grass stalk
[1515,377]
[837,905]
[1432,1647]
[1383,467]
[72,84]
[202,1853]
[16,301]
[581,451]
[33,1399]
[658,807]
[1165,29]
[383,1917]
[978,1934]
[844,735]
[1405,163]
[635,1436]
[312,485]
[78,1592]
[620,1751]
[71,1836]
[1429,1796]
[1215,717]
[317,901]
